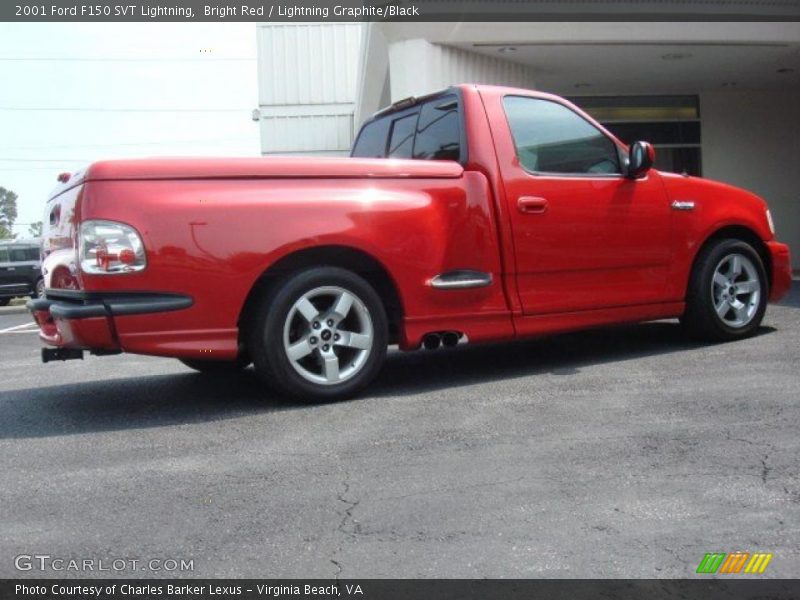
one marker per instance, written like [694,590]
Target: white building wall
[750,140]
[419,67]
[307,77]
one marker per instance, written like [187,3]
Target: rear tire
[728,292]
[319,335]
[38,289]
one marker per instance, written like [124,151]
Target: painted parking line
[18,328]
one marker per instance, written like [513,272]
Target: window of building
[551,138]
[670,123]
[439,130]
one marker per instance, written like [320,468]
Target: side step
[50,354]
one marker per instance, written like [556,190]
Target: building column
[307,79]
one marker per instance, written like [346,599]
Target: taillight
[108,247]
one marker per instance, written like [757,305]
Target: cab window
[371,142]
[18,254]
[439,130]
[401,140]
[551,138]
[429,131]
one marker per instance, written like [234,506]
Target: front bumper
[781,270]
[85,320]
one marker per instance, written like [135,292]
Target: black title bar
[397,10]
[399,589]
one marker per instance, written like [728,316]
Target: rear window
[371,142]
[439,131]
[401,140]
[431,131]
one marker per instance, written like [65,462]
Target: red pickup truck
[477,213]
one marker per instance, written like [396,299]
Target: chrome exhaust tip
[431,341]
[450,339]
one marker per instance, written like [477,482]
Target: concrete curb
[13,310]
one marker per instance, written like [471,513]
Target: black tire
[216,367]
[273,319]
[701,319]
[4,301]
[38,289]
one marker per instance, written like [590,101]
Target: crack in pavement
[342,528]
[765,469]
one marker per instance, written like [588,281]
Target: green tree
[8,212]
[35,229]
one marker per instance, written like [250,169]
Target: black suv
[20,270]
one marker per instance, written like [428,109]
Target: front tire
[4,301]
[728,292]
[38,289]
[320,335]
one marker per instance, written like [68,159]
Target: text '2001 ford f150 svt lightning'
[477,213]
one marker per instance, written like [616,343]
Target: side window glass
[18,255]
[401,139]
[371,142]
[551,138]
[439,130]
[3,255]
[32,253]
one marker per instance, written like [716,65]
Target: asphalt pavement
[627,452]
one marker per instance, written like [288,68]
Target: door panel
[598,243]
[585,237]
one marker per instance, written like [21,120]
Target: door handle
[532,204]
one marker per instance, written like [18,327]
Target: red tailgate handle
[532,204]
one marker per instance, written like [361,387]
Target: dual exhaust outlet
[448,339]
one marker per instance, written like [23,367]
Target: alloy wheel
[736,290]
[328,335]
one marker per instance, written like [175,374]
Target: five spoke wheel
[319,334]
[736,291]
[728,291]
[327,335]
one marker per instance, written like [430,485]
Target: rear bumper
[781,270]
[85,320]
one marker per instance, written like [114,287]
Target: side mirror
[641,157]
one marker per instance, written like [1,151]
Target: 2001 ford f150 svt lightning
[473,214]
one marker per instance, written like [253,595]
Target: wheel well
[357,261]
[739,232]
